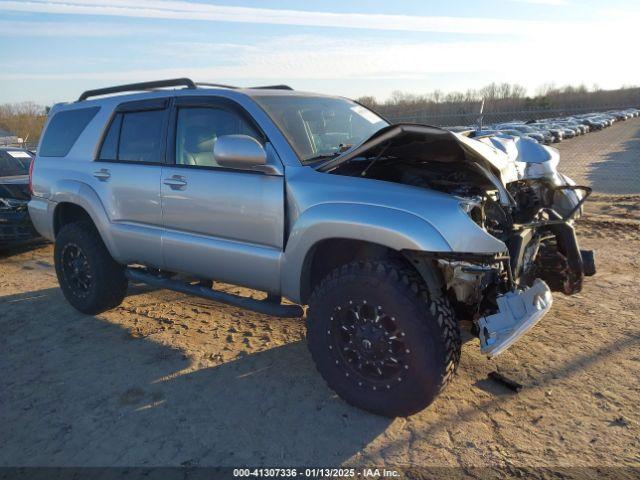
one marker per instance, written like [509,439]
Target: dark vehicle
[592,123]
[15,224]
[619,115]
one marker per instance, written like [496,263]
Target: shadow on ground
[7,251]
[619,172]
[82,391]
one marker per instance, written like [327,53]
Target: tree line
[503,98]
[24,120]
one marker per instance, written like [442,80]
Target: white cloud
[304,58]
[534,53]
[68,29]
[184,10]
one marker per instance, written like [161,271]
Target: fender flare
[389,227]
[81,194]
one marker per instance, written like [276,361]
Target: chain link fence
[607,160]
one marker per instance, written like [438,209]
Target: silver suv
[390,234]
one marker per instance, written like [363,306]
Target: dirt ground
[608,160]
[170,380]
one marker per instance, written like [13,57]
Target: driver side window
[197,130]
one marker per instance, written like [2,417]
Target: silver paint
[236,225]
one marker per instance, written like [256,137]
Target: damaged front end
[518,311]
[15,223]
[512,190]
[482,288]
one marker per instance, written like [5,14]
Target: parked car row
[554,130]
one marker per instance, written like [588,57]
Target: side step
[266,307]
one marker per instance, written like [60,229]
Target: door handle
[176,182]
[103,174]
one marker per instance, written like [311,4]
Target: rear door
[126,176]
[220,223]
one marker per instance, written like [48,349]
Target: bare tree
[24,120]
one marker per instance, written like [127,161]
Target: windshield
[14,162]
[319,127]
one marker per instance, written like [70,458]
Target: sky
[52,50]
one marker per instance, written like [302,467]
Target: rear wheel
[379,340]
[89,277]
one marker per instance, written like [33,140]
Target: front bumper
[518,312]
[15,226]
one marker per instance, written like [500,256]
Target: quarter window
[199,127]
[63,130]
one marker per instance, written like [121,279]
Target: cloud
[287,59]
[69,29]
[533,53]
[185,10]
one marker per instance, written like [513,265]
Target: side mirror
[239,151]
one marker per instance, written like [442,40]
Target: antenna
[480,118]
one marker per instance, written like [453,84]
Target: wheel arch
[77,202]
[69,212]
[330,253]
[332,234]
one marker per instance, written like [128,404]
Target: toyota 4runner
[391,234]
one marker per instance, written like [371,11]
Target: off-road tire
[431,334]
[108,284]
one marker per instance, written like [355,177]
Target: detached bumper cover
[517,313]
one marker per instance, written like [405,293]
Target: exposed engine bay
[511,188]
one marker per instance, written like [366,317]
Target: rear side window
[64,129]
[135,137]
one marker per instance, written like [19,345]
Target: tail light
[33,161]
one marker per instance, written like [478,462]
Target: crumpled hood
[530,159]
[413,141]
[423,143]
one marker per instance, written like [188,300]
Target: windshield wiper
[342,148]
[322,156]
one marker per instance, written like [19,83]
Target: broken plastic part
[518,312]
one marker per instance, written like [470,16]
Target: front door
[220,223]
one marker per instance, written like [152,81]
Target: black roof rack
[221,85]
[174,82]
[272,87]
[133,87]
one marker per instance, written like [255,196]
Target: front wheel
[379,340]
[89,277]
